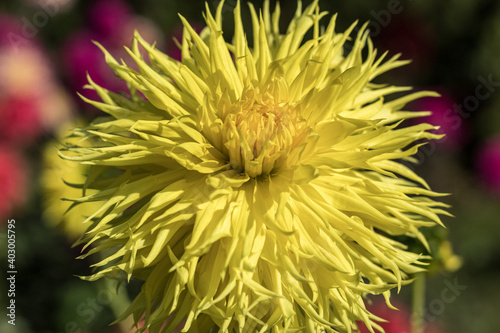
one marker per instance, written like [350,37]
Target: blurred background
[46,53]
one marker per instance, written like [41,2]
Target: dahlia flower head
[256,188]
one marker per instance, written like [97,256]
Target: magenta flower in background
[110,23]
[108,18]
[443,115]
[82,57]
[14,180]
[488,164]
[413,38]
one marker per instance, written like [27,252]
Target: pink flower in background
[110,23]
[55,6]
[31,99]
[488,164]
[13,177]
[25,68]
[8,26]
[443,115]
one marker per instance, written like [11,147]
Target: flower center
[260,133]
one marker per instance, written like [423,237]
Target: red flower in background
[13,177]
[398,321]
[19,119]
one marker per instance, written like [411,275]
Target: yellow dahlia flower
[257,188]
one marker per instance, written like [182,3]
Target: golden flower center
[260,135]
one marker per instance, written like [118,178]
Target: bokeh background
[46,53]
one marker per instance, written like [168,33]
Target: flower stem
[418,303]
[119,303]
